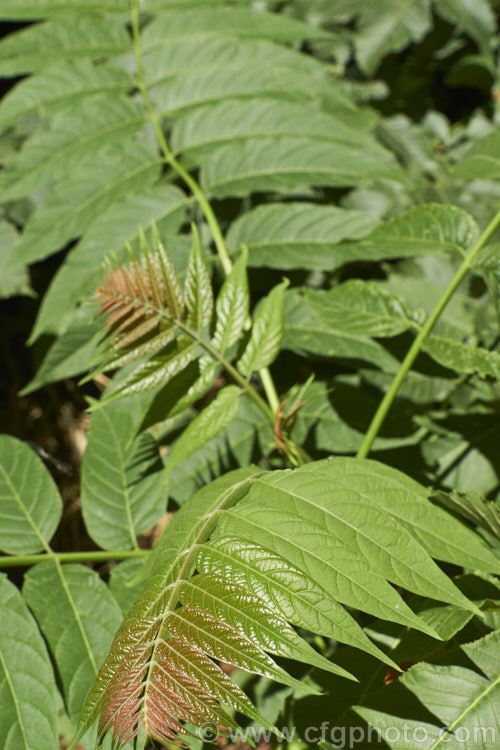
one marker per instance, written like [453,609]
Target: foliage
[270,230]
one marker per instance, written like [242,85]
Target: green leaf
[69,355]
[298,235]
[323,323]
[71,138]
[31,505]
[285,163]
[441,535]
[78,617]
[348,518]
[461,357]
[231,307]
[473,507]
[27,682]
[482,160]
[266,335]
[122,582]
[335,419]
[13,279]
[113,229]
[433,228]
[233,22]
[198,288]
[72,205]
[16,10]
[460,698]
[58,87]
[389,26]
[245,437]
[185,74]
[205,426]
[207,129]
[241,563]
[40,46]
[474,18]
[158,371]
[122,496]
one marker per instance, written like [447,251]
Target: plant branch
[415,348]
[19,561]
[198,193]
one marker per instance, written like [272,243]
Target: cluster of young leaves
[141,137]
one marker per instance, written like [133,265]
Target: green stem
[242,382]
[18,561]
[198,193]
[415,348]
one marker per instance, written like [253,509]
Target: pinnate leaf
[246,558]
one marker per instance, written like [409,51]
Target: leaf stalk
[20,561]
[265,375]
[416,347]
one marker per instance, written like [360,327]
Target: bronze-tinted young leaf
[239,565]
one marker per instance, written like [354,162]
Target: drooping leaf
[78,617]
[266,335]
[27,683]
[69,355]
[31,506]
[122,495]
